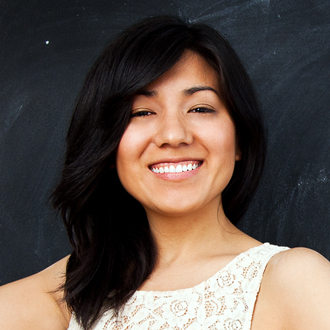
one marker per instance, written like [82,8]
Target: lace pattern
[224,301]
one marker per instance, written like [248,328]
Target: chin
[176,208]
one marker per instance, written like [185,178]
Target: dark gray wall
[46,48]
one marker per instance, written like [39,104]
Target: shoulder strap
[251,267]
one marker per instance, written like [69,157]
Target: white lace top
[224,301]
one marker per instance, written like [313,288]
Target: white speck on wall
[47,42]
[322,177]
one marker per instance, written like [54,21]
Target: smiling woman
[165,150]
[180,144]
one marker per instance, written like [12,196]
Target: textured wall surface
[46,48]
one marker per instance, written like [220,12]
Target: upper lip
[175,160]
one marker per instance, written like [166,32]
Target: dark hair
[113,249]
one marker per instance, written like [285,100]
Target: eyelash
[202,110]
[145,113]
[142,113]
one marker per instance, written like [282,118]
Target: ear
[238,154]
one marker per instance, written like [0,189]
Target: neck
[195,235]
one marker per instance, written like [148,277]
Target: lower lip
[177,176]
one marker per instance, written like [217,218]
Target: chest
[226,301]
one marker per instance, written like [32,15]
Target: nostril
[173,135]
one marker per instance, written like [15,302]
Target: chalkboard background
[46,48]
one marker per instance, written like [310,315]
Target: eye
[202,109]
[142,113]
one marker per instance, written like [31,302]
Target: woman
[165,150]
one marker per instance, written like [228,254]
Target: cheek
[124,170]
[128,158]
[222,140]
[127,148]
[122,158]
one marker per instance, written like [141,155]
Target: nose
[173,131]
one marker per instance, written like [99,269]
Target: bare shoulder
[34,302]
[296,288]
[298,266]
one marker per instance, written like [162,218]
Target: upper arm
[297,282]
[33,303]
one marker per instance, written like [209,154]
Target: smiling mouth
[176,168]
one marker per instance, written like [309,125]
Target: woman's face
[179,150]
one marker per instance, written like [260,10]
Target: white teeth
[178,169]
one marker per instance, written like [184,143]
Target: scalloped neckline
[201,284]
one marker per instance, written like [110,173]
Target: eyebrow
[188,91]
[146,92]
[192,90]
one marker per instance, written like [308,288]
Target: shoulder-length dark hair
[113,249]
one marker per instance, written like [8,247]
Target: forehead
[190,71]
